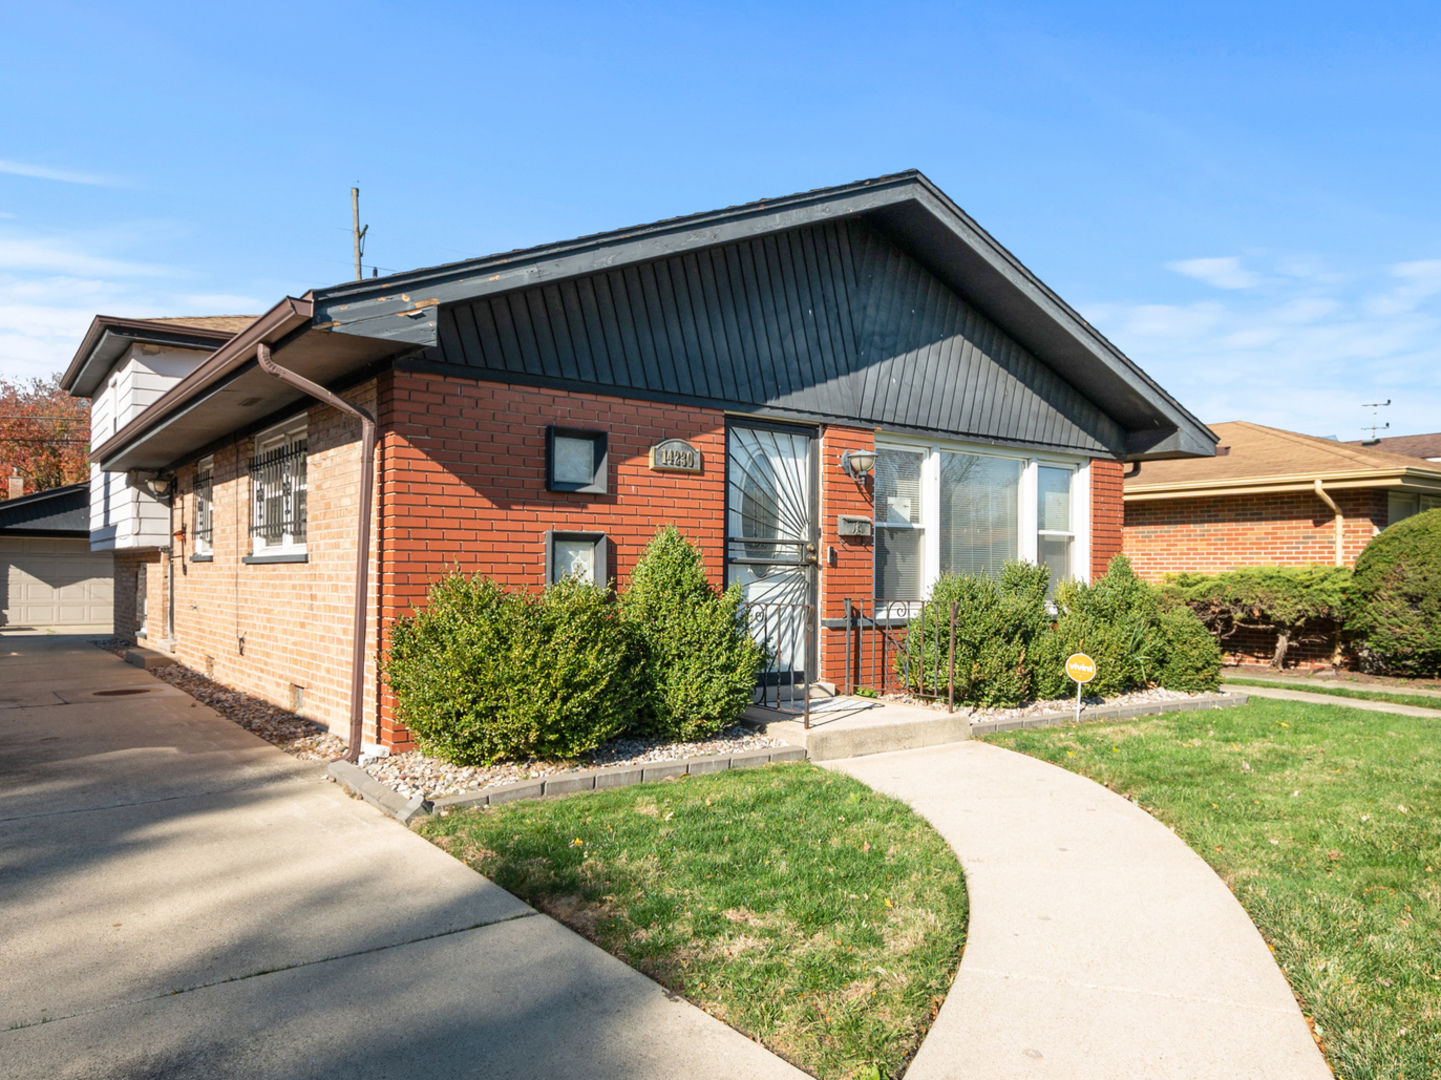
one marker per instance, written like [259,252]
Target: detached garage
[49,577]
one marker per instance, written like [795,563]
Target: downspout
[362,547]
[1340,522]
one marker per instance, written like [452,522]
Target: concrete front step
[872,728]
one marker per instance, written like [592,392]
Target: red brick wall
[853,572]
[1165,536]
[129,564]
[1107,514]
[464,482]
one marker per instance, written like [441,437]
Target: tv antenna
[358,234]
[1375,407]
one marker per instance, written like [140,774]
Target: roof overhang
[403,307]
[1422,480]
[229,391]
[336,332]
[108,338]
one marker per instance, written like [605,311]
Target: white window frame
[286,434]
[1027,547]
[205,545]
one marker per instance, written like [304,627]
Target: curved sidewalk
[1099,945]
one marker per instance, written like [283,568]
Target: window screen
[980,503]
[1053,522]
[899,538]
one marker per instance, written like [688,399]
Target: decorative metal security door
[771,543]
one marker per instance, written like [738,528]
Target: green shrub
[1191,658]
[1394,610]
[997,622]
[701,661]
[1116,621]
[1297,602]
[480,674]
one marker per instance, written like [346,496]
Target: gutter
[1340,521]
[1409,478]
[279,321]
[362,543]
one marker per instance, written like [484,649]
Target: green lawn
[1382,696]
[807,911]
[1324,822]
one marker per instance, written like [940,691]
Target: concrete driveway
[179,898]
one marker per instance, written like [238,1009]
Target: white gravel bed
[1065,704]
[414,773]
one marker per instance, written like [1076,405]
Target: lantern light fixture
[856,463]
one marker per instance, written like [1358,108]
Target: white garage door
[55,583]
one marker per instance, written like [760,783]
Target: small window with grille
[277,489]
[204,516]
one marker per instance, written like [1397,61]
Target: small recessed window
[575,460]
[582,556]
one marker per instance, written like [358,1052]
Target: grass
[1343,692]
[1323,820]
[818,917]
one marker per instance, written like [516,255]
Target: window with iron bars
[204,516]
[277,484]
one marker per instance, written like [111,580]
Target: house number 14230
[675,455]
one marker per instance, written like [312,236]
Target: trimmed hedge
[1394,608]
[702,662]
[1011,648]
[480,674]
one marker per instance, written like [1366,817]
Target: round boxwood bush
[701,661]
[1191,659]
[1393,612]
[480,674]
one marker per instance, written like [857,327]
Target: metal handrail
[902,666]
[777,613]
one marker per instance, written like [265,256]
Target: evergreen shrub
[1394,610]
[701,662]
[480,674]
[997,624]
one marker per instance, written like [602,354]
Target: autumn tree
[44,435]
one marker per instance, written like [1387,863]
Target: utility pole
[1375,407]
[356,231]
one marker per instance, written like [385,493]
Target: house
[49,577]
[124,366]
[1269,497]
[838,395]
[1421,446]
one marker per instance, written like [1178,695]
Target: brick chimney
[17,484]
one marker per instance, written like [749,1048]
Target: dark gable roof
[62,511]
[108,338]
[879,302]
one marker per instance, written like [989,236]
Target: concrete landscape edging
[387,799]
[1113,712]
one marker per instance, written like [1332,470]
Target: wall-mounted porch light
[856,463]
[153,483]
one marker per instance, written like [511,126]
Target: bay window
[950,510]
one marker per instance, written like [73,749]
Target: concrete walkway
[1283,694]
[1100,946]
[180,899]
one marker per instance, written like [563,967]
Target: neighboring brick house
[838,395]
[1269,497]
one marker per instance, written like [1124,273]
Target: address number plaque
[675,455]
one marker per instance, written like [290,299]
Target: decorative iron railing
[788,633]
[204,516]
[901,654]
[277,482]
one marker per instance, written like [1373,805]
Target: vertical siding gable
[832,319]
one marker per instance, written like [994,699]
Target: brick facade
[269,629]
[129,564]
[1108,514]
[460,484]
[1166,536]
[472,495]
[851,574]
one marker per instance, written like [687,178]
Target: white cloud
[65,256]
[1301,353]
[1224,273]
[44,172]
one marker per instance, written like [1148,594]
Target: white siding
[121,516]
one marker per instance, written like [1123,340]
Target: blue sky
[1242,196]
